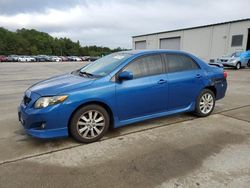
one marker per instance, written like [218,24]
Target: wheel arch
[102,104]
[239,63]
[213,89]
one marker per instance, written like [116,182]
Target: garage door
[171,43]
[140,45]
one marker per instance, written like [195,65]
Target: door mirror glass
[125,75]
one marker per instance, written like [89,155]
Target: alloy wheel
[91,124]
[206,103]
[238,66]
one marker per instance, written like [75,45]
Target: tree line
[33,42]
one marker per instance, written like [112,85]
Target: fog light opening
[43,125]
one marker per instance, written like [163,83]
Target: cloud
[9,7]
[112,23]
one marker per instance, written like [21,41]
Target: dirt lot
[176,151]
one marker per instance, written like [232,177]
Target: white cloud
[112,23]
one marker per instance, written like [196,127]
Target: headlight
[48,101]
[233,61]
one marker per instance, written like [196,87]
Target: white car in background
[56,59]
[26,59]
[74,58]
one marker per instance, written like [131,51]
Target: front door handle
[161,81]
[198,76]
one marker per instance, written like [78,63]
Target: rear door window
[179,63]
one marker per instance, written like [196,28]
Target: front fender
[102,94]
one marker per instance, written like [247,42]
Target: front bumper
[50,122]
[229,64]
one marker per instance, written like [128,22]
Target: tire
[248,64]
[238,66]
[207,98]
[89,123]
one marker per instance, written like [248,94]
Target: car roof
[144,52]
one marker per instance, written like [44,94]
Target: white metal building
[208,42]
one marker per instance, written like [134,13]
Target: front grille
[224,60]
[26,100]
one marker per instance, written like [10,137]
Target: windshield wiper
[86,73]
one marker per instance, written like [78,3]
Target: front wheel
[238,66]
[205,103]
[89,123]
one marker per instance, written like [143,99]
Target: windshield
[236,54]
[105,65]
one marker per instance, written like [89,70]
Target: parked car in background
[42,58]
[74,58]
[64,58]
[26,59]
[31,58]
[120,89]
[237,60]
[12,58]
[92,58]
[83,58]
[3,58]
[55,59]
[21,59]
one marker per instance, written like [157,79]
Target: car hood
[229,58]
[60,84]
[226,58]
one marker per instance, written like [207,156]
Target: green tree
[32,42]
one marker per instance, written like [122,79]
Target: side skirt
[189,108]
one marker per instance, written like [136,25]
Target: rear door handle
[198,76]
[161,81]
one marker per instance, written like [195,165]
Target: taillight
[225,74]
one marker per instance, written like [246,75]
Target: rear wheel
[205,103]
[89,123]
[238,66]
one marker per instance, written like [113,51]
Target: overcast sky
[112,22]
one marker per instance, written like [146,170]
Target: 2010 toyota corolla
[120,89]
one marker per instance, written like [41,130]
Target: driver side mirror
[125,75]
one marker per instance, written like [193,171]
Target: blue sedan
[120,89]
